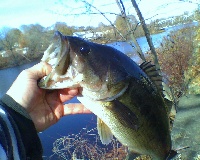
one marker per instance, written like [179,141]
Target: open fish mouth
[57,55]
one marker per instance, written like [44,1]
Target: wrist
[10,102]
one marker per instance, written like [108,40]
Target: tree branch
[147,34]
[124,16]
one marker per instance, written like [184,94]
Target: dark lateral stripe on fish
[12,141]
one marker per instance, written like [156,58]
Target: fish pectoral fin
[125,115]
[104,132]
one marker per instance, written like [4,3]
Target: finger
[39,70]
[75,108]
[69,91]
[64,98]
[67,94]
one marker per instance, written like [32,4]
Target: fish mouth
[57,55]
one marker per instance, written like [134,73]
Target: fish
[127,98]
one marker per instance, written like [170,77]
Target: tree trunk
[147,34]
[123,12]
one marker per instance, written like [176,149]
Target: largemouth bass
[127,98]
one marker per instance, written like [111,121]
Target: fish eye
[84,49]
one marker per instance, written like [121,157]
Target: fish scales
[128,103]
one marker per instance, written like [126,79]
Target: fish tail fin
[171,155]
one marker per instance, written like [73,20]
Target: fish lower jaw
[55,81]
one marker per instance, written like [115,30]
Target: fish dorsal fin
[153,74]
[164,90]
[104,132]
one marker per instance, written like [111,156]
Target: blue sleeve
[18,137]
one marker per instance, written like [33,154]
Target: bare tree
[34,37]
[124,16]
[147,34]
[9,39]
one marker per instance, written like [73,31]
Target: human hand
[44,106]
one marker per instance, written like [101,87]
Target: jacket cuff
[10,102]
[25,127]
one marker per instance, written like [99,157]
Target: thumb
[39,70]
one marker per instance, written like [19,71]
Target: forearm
[17,131]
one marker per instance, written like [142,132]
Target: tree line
[24,44]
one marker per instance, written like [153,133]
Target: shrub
[174,54]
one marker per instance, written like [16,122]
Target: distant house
[16,45]
[25,50]
[88,34]
[4,54]
[79,34]
[99,34]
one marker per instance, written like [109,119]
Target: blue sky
[46,12]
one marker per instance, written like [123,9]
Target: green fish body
[126,97]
